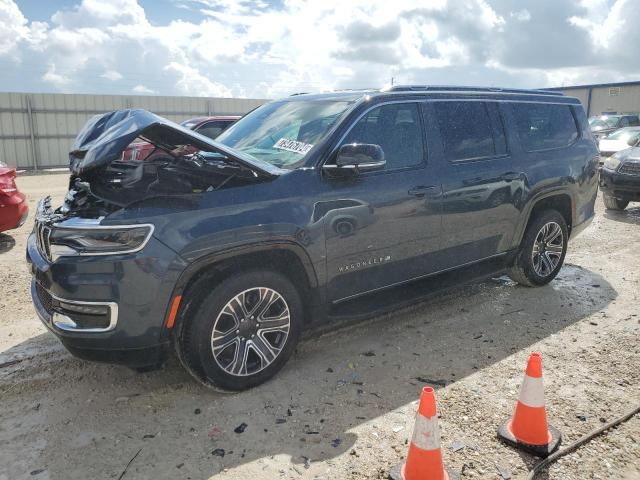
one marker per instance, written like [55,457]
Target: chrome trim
[64,323]
[354,167]
[418,277]
[85,224]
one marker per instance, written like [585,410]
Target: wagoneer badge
[364,263]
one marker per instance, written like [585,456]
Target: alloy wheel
[547,249]
[250,331]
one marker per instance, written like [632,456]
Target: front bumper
[109,308]
[619,185]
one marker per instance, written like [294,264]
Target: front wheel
[243,331]
[613,203]
[542,251]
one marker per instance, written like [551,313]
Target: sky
[270,49]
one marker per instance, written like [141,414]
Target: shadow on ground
[7,242]
[74,419]
[629,215]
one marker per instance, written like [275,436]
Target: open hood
[104,137]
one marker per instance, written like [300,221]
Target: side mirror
[358,157]
[633,141]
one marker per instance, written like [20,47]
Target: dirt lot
[343,406]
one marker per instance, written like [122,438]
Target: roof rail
[298,93]
[452,88]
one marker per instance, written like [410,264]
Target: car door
[382,228]
[481,190]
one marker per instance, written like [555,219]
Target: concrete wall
[37,129]
[618,99]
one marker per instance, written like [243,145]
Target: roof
[353,95]
[595,85]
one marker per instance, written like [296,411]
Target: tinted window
[212,129]
[541,126]
[397,129]
[466,131]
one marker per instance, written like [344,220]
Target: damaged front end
[182,163]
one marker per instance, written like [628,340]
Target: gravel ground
[343,406]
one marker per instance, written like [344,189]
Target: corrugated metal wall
[607,98]
[37,129]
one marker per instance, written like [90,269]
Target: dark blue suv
[309,208]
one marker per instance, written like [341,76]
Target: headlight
[98,241]
[612,163]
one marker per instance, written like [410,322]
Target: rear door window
[470,130]
[544,126]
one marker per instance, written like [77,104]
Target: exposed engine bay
[106,176]
[123,183]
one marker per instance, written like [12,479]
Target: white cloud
[521,15]
[111,75]
[13,27]
[143,90]
[55,78]
[191,82]
[252,48]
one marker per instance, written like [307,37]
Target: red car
[208,126]
[13,204]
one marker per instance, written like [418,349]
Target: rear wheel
[542,252]
[613,203]
[243,331]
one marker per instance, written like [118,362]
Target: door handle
[420,191]
[511,176]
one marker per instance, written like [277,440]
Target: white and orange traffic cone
[424,460]
[528,429]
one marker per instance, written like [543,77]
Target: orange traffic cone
[528,429]
[424,460]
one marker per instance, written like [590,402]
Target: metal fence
[37,129]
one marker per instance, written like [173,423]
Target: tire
[268,342]
[613,203]
[536,268]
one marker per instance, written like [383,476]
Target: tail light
[8,183]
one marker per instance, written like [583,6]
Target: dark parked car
[208,126]
[620,178]
[308,209]
[603,125]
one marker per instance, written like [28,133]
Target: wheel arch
[560,200]
[286,258]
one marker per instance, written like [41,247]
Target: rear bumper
[13,212]
[622,186]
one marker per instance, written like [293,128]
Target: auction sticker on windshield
[293,146]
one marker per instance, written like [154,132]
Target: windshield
[282,133]
[603,122]
[624,134]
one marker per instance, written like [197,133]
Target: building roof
[596,85]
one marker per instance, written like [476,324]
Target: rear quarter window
[544,126]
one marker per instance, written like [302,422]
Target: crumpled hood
[104,137]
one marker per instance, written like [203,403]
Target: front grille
[630,168]
[42,235]
[45,298]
